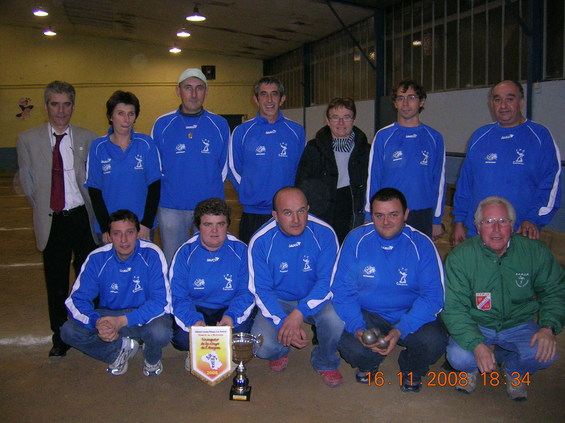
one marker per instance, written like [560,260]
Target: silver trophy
[244,347]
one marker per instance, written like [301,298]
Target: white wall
[456,114]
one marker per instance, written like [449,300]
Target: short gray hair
[494,199]
[59,87]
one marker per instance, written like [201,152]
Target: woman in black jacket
[333,169]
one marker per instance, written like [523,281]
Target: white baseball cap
[193,73]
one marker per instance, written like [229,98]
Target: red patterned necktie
[57,178]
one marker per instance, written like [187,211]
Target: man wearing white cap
[193,144]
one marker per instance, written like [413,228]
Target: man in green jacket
[497,285]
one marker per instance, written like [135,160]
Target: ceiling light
[40,11]
[49,32]
[183,33]
[196,16]
[175,50]
[417,43]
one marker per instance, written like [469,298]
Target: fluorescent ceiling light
[196,16]
[40,11]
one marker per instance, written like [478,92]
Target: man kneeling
[129,276]
[497,284]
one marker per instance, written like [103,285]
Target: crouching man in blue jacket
[389,276]
[129,276]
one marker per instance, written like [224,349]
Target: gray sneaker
[152,369]
[517,391]
[120,364]
[470,385]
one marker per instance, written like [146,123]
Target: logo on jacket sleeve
[139,160]
[180,149]
[136,284]
[283,267]
[483,300]
[403,275]
[114,288]
[261,150]
[520,159]
[199,283]
[397,155]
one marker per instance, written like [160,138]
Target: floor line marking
[20,265]
[27,340]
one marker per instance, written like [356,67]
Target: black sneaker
[362,376]
[408,387]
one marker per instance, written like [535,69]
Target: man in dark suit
[52,165]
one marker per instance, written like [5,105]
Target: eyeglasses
[410,97]
[500,220]
[345,118]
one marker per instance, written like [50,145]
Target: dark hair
[387,194]
[346,102]
[288,188]
[59,87]
[123,214]
[124,97]
[513,81]
[268,80]
[404,85]
[214,206]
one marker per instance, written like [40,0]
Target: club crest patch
[483,300]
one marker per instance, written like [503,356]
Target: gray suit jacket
[34,160]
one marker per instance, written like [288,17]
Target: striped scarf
[344,145]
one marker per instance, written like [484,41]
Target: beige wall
[97,67]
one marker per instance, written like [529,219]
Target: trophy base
[240,396]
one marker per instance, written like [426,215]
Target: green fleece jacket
[498,293]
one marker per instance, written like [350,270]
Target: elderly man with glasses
[504,304]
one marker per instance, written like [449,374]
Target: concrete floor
[76,388]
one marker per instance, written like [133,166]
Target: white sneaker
[470,385]
[120,364]
[152,369]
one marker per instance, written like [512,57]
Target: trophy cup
[244,347]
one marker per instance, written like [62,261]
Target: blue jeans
[211,317]
[174,226]
[512,347]
[155,335]
[421,348]
[328,326]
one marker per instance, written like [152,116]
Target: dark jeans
[342,220]
[211,317]
[421,220]
[69,236]
[249,223]
[421,348]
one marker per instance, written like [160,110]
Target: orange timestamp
[451,379]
